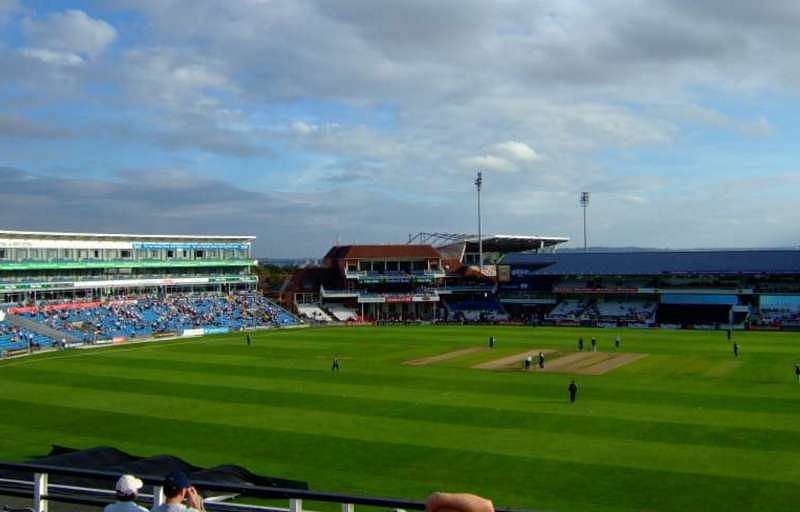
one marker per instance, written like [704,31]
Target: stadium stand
[569,309]
[342,312]
[641,311]
[313,312]
[14,339]
[693,289]
[150,316]
[486,309]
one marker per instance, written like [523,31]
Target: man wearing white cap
[127,490]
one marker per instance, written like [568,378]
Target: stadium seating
[145,317]
[641,311]
[16,338]
[313,312]
[342,312]
[476,309]
[568,309]
[779,316]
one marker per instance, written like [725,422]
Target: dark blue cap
[176,481]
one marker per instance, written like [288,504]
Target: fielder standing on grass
[573,391]
[249,339]
[541,360]
[594,344]
[797,372]
[617,342]
[491,341]
[735,349]
[580,344]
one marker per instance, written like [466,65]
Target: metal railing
[42,492]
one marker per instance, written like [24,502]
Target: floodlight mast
[585,205]
[478,184]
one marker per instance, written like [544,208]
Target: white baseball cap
[128,484]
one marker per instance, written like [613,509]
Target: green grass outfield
[687,428]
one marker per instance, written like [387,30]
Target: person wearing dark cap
[127,489]
[177,489]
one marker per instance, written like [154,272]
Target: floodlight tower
[585,205]
[478,184]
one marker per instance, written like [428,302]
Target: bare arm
[447,502]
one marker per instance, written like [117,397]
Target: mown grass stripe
[406,463]
[565,447]
[475,414]
[525,384]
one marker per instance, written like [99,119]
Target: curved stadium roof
[767,261]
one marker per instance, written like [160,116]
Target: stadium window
[2,254]
[198,255]
[170,254]
[125,253]
[154,254]
[34,254]
[96,254]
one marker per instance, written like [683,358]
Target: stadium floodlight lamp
[585,205]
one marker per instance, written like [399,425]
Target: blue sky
[300,121]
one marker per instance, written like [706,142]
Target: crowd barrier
[41,492]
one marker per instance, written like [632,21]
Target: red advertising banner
[125,302]
[26,309]
[71,305]
[564,289]
[399,298]
[55,307]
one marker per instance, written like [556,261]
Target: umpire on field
[573,391]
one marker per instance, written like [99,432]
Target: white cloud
[489,163]
[760,127]
[304,128]
[178,81]
[53,57]
[68,32]
[518,151]
[634,199]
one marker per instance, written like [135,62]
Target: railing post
[295,505]
[39,490]
[348,507]
[158,495]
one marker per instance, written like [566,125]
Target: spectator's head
[128,487]
[176,484]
